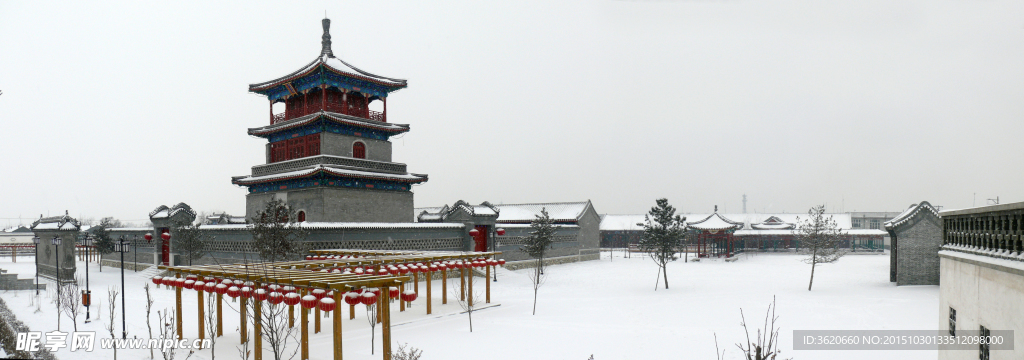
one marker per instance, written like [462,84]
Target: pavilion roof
[327,169]
[910,213]
[327,62]
[773,223]
[60,223]
[715,221]
[265,131]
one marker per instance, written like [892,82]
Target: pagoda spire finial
[326,39]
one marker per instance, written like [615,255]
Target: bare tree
[406,352]
[765,345]
[819,236]
[168,331]
[276,234]
[70,303]
[541,237]
[149,308]
[273,319]
[211,322]
[663,233]
[372,318]
[112,307]
[469,303]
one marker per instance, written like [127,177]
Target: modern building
[981,270]
[916,236]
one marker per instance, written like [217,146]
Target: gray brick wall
[341,145]
[341,205]
[917,256]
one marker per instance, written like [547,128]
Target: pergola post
[257,326]
[220,322]
[430,275]
[444,286]
[304,330]
[351,312]
[291,316]
[386,329]
[488,281]
[469,291]
[337,324]
[401,290]
[316,320]
[462,284]
[243,322]
[202,330]
[416,283]
[177,307]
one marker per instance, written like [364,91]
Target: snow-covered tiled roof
[621,222]
[861,232]
[909,213]
[715,222]
[56,223]
[348,225]
[163,211]
[333,116]
[524,213]
[315,169]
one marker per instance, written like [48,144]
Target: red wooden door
[481,238]
[165,248]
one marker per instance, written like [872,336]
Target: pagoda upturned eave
[715,222]
[248,180]
[317,69]
[265,131]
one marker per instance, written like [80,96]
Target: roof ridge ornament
[326,39]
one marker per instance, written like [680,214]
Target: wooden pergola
[317,273]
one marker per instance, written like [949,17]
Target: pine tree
[104,243]
[663,234]
[189,240]
[820,237]
[540,240]
[275,233]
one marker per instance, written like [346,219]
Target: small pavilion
[714,235]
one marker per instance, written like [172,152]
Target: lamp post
[494,247]
[88,240]
[35,239]
[56,245]
[135,244]
[122,246]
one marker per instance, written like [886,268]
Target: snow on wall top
[909,213]
[348,225]
[567,211]
[622,222]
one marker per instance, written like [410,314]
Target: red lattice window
[302,216]
[359,150]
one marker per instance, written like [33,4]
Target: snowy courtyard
[607,308]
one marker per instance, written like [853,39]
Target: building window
[358,150]
[875,223]
[983,347]
[857,223]
[302,216]
[952,321]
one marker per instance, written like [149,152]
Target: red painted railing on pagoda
[332,107]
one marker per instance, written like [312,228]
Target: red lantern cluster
[308,301]
[246,292]
[352,298]
[275,298]
[368,298]
[393,292]
[221,289]
[409,295]
[188,284]
[319,293]
[158,280]
[210,287]
[260,295]
[327,304]
[234,291]
[292,298]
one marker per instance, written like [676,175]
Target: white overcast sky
[111,109]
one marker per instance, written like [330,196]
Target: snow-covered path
[606,308]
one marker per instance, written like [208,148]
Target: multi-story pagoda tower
[328,155]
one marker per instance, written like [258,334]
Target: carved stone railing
[276,118]
[379,116]
[995,231]
[397,168]
[335,107]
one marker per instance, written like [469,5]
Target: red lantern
[501,262]
[368,298]
[234,291]
[393,292]
[246,292]
[327,304]
[221,289]
[409,295]
[319,293]
[500,231]
[158,280]
[288,289]
[210,287]
[179,282]
[442,266]
[474,232]
[352,298]
[274,288]
[382,271]
[188,284]
[148,236]
[358,271]
[369,272]
[292,298]
[191,277]
[165,236]
[308,301]
[275,298]
[260,295]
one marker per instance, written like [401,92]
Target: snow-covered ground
[606,308]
